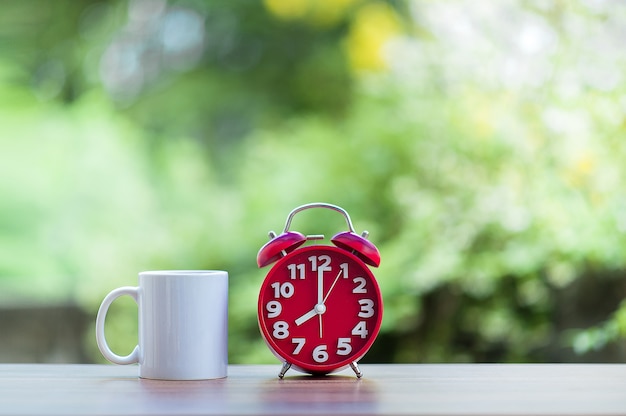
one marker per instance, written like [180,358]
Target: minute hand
[320,285]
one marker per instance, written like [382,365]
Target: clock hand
[320,308]
[317,310]
[321,305]
[332,286]
[320,295]
[320,319]
[310,314]
[320,285]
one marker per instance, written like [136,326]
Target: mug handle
[131,358]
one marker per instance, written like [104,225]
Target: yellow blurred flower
[373,26]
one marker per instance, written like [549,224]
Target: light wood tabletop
[442,389]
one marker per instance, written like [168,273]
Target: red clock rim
[308,367]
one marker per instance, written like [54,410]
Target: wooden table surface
[439,389]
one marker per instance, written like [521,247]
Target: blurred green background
[482,145]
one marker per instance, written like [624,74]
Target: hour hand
[310,314]
[317,310]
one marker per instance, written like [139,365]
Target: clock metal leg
[356,370]
[286,366]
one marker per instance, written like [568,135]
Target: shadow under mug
[183,325]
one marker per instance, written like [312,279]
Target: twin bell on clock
[320,307]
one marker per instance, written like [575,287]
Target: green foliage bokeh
[485,158]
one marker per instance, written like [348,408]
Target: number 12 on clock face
[320,309]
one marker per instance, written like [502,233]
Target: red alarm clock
[320,307]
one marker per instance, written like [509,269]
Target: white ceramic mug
[183,325]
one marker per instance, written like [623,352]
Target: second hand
[332,286]
[320,318]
